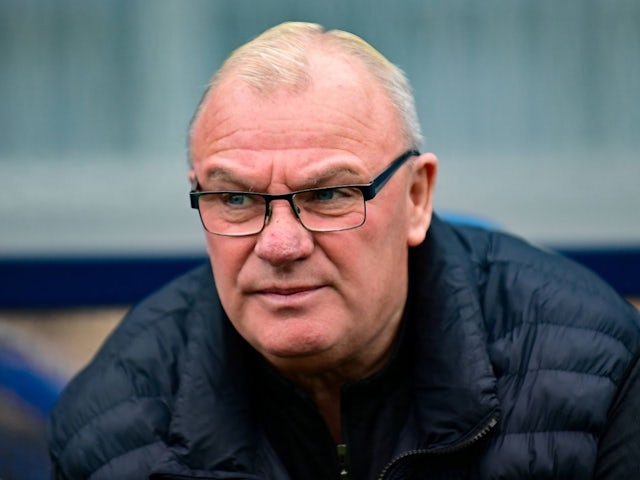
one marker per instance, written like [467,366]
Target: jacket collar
[455,387]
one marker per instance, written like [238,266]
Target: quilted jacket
[523,367]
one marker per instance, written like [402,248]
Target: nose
[283,239]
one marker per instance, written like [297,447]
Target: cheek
[227,257]
[370,262]
[384,250]
[386,232]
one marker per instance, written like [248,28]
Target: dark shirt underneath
[374,411]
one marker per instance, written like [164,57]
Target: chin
[295,348]
[310,364]
[297,351]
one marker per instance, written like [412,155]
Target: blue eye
[237,199]
[326,195]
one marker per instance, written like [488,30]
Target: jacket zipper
[484,430]
[341,448]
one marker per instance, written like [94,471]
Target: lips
[285,291]
[287,296]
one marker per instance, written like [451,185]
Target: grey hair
[278,58]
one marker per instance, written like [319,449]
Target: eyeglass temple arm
[193,194]
[382,179]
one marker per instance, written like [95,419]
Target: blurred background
[531,106]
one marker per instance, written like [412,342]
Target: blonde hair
[278,58]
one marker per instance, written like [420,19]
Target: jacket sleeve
[619,448]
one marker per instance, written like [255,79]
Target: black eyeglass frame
[369,192]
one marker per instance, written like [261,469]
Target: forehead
[343,108]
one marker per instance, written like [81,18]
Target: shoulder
[124,395]
[159,326]
[527,284]
[551,322]
[531,297]
[561,343]
[514,275]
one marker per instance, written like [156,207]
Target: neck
[324,388]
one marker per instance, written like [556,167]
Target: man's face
[313,301]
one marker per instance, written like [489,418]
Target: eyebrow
[329,177]
[227,176]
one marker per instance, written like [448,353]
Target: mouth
[287,291]
[287,294]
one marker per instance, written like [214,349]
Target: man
[341,329]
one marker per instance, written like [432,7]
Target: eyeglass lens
[325,209]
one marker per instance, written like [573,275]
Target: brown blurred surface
[59,341]
[49,346]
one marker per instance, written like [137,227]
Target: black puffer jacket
[523,368]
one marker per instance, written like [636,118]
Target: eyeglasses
[326,209]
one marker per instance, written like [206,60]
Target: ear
[422,183]
[192,176]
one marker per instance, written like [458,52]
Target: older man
[331,336]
